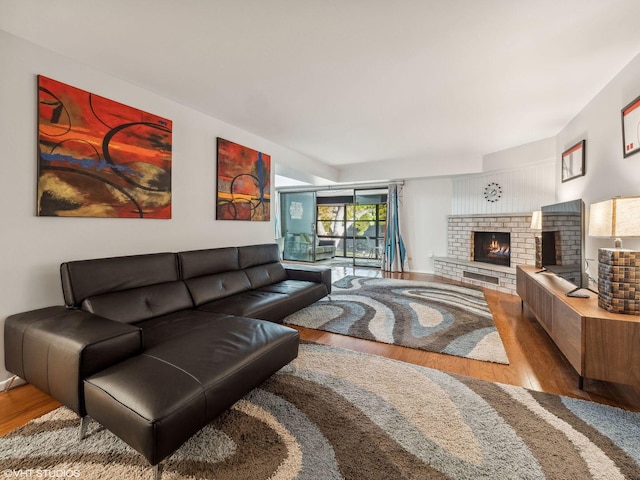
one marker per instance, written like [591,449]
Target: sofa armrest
[310,274]
[55,349]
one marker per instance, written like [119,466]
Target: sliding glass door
[368,215]
[298,220]
[326,225]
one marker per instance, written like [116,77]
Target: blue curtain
[394,254]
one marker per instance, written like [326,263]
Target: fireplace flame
[492,247]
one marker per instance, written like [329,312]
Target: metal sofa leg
[82,431]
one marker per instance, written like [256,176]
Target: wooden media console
[598,344]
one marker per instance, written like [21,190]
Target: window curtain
[394,254]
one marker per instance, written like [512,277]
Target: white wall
[524,188]
[533,152]
[395,169]
[608,173]
[425,205]
[32,248]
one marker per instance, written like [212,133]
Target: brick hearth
[459,264]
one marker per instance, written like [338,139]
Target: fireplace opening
[492,247]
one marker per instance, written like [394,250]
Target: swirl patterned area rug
[433,316]
[334,414]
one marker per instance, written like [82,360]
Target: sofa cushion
[266,274]
[300,294]
[213,287]
[295,288]
[212,274]
[227,345]
[252,303]
[87,278]
[252,255]
[169,327]
[136,304]
[198,263]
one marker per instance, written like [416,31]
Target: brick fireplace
[466,231]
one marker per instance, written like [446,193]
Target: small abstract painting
[573,161]
[631,128]
[100,158]
[244,182]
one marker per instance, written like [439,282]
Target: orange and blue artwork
[244,183]
[100,158]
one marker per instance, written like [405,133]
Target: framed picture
[244,183]
[573,161]
[100,158]
[631,128]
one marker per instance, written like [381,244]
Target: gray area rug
[433,316]
[335,413]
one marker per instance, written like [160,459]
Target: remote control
[578,295]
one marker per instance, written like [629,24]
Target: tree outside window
[339,222]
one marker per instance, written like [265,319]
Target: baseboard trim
[4,385]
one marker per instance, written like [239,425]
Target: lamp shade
[536,220]
[617,217]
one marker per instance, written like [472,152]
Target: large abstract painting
[244,182]
[100,158]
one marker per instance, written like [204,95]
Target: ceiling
[353,81]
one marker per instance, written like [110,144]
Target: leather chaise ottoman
[157,400]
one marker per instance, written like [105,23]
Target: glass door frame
[298,217]
[365,261]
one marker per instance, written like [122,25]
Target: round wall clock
[492,192]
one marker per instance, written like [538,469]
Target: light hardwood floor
[535,362]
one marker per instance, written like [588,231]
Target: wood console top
[586,307]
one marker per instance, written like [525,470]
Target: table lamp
[618,269]
[615,218]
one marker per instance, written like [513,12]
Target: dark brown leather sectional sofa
[156,346]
